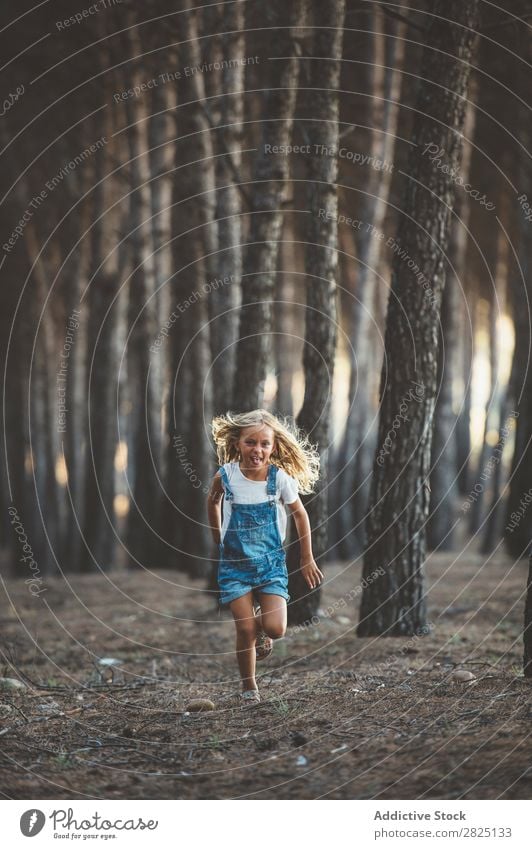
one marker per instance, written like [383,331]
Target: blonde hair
[293,451]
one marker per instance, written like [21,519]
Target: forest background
[188,196]
[318,207]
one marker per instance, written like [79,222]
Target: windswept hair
[293,452]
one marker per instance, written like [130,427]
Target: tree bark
[393,600]
[224,299]
[190,463]
[43,431]
[492,408]
[445,469]
[75,439]
[286,314]
[517,532]
[321,265]
[270,176]
[102,368]
[385,62]
[161,132]
[465,354]
[145,364]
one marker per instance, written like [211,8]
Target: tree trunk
[224,299]
[43,422]
[270,176]
[445,469]
[483,475]
[75,438]
[517,533]
[102,368]
[393,601]
[161,132]
[102,361]
[321,265]
[190,462]
[385,62]
[442,517]
[145,369]
[16,336]
[493,528]
[466,338]
[287,341]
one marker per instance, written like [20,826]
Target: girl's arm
[214,508]
[312,575]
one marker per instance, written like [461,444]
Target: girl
[263,465]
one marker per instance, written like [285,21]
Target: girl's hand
[312,575]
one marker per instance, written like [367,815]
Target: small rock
[12,684]
[199,705]
[49,707]
[343,620]
[463,675]
[301,761]
[298,739]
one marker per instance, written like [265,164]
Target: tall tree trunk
[31,435]
[321,265]
[43,421]
[161,132]
[492,407]
[270,176]
[145,364]
[384,66]
[493,528]
[75,438]
[15,344]
[286,347]
[443,478]
[190,465]
[224,299]
[102,368]
[518,533]
[393,601]
[466,338]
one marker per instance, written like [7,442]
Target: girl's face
[256,444]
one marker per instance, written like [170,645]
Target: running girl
[264,464]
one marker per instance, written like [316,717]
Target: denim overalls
[252,555]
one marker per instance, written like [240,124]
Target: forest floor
[341,717]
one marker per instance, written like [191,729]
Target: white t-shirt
[246,491]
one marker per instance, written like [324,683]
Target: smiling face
[255,444]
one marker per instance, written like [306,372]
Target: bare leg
[273,615]
[246,634]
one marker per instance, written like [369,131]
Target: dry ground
[340,718]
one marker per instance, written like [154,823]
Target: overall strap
[228,492]
[271,485]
